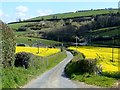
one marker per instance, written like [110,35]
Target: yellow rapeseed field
[42,51]
[104,55]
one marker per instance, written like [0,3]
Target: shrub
[22,59]
[87,66]
[22,29]
[81,67]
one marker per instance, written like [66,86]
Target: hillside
[78,13]
[93,26]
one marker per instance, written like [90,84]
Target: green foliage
[22,29]
[113,75]
[17,77]
[81,67]
[22,59]
[72,66]
[8,46]
[87,66]
[83,70]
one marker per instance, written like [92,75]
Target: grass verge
[17,77]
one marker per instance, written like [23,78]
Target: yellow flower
[38,51]
[104,55]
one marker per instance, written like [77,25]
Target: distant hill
[71,15]
[78,13]
[95,26]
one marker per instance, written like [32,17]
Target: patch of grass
[20,33]
[25,40]
[102,81]
[17,77]
[16,25]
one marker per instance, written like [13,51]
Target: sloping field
[25,40]
[76,14]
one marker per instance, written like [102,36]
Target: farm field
[75,14]
[17,25]
[23,39]
[42,51]
[103,55]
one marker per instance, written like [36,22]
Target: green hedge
[8,45]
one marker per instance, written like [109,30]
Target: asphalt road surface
[56,78]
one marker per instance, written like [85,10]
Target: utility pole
[38,47]
[113,49]
[76,43]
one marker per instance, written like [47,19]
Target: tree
[8,46]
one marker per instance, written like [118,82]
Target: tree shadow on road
[64,75]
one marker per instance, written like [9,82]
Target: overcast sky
[11,10]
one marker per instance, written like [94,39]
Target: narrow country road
[55,78]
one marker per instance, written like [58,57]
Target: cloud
[20,14]
[44,12]
[2,14]
[21,11]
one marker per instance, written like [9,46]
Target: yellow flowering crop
[42,51]
[104,55]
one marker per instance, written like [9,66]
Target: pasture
[25,40]
[75,14]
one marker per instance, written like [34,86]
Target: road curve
[55,78]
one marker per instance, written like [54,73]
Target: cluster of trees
[100,22]
[68,31]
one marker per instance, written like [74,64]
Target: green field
[20,33]
[109,31]
[76,14]
[105,32]
[35,40]
[15,26]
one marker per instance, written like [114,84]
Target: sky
[12,10]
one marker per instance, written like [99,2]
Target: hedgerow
[8,45]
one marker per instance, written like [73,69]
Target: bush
[22,59]
[87,66]
[22,29]
[81,67]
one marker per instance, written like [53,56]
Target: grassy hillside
[98,28]
[76,14]
[35,40]
[105,33]
[17,25]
